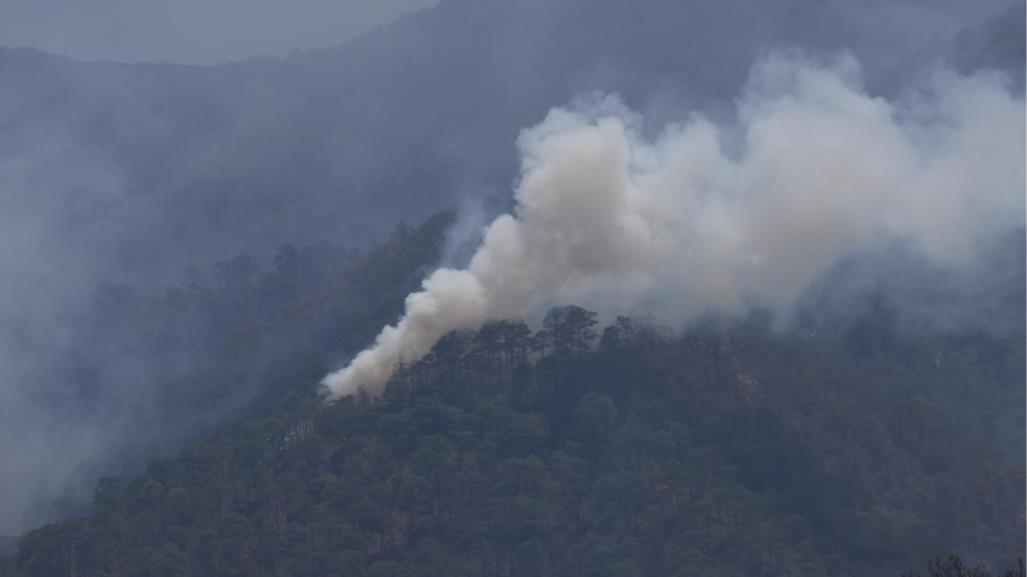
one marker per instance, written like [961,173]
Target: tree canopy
[731,448]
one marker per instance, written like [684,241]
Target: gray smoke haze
[679,226]
[115,178]
[36,202]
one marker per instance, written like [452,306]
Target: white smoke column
[680,226]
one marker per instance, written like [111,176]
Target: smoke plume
[707,217]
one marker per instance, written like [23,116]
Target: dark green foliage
[729,450]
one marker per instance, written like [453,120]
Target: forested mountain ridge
[187,246]
[731,449]
[102,164]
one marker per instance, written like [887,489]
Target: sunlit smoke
[723,218]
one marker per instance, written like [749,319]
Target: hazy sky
[189,31]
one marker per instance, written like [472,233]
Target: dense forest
[117,177]
[736,447]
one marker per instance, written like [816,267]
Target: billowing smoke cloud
[705,218]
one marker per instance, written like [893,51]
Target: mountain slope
[409,119]
[114,178]
[729,450]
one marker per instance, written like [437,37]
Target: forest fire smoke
[708,218]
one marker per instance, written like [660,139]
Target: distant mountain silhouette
[415,116]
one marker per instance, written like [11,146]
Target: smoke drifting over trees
[118,182]
[682,225]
